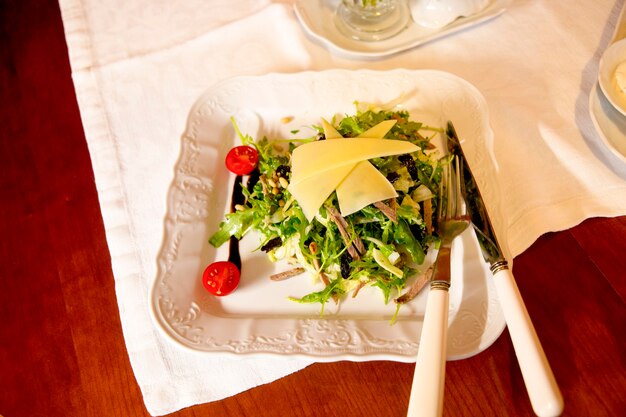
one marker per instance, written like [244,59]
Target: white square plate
[258,318]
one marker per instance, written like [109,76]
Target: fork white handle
[544,393]
[430,366]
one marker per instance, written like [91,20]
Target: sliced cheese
[330,132]
[378,131]
[311,192]
[316,158]
[319,168]
[363,186]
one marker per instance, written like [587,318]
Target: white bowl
[614,58]
[436,14]
[609,123]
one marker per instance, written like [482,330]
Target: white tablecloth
[139,65]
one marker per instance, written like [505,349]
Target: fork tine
[451,197]
[442,196]
[451,188]
[454,182]
[459,201]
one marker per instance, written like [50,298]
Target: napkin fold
[138,66]
[134,97]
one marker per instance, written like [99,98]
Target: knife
[543,391]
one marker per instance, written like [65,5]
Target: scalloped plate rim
[177,324]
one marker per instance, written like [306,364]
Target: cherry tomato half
[242,160]
[221,278]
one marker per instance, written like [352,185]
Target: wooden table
[62,351]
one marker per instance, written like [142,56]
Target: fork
[452,219]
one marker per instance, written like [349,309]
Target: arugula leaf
[402,235]
[235,224]
[334,288]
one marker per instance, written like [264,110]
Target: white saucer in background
[317,19]
[609,122]
[610,61]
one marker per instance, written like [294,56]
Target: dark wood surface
[62,352]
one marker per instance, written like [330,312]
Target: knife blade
[491,249]
[543,391]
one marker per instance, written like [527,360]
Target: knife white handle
[430,366]
[544,393]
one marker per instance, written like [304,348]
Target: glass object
[372,20]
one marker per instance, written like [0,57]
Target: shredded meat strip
[358,288]
[281,276]
[354,243]
[417,286]
[323,277]
[428,216]
[387,211]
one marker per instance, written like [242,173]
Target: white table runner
[139,65]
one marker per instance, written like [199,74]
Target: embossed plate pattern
[258,318]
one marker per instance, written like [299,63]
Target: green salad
[383,245]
